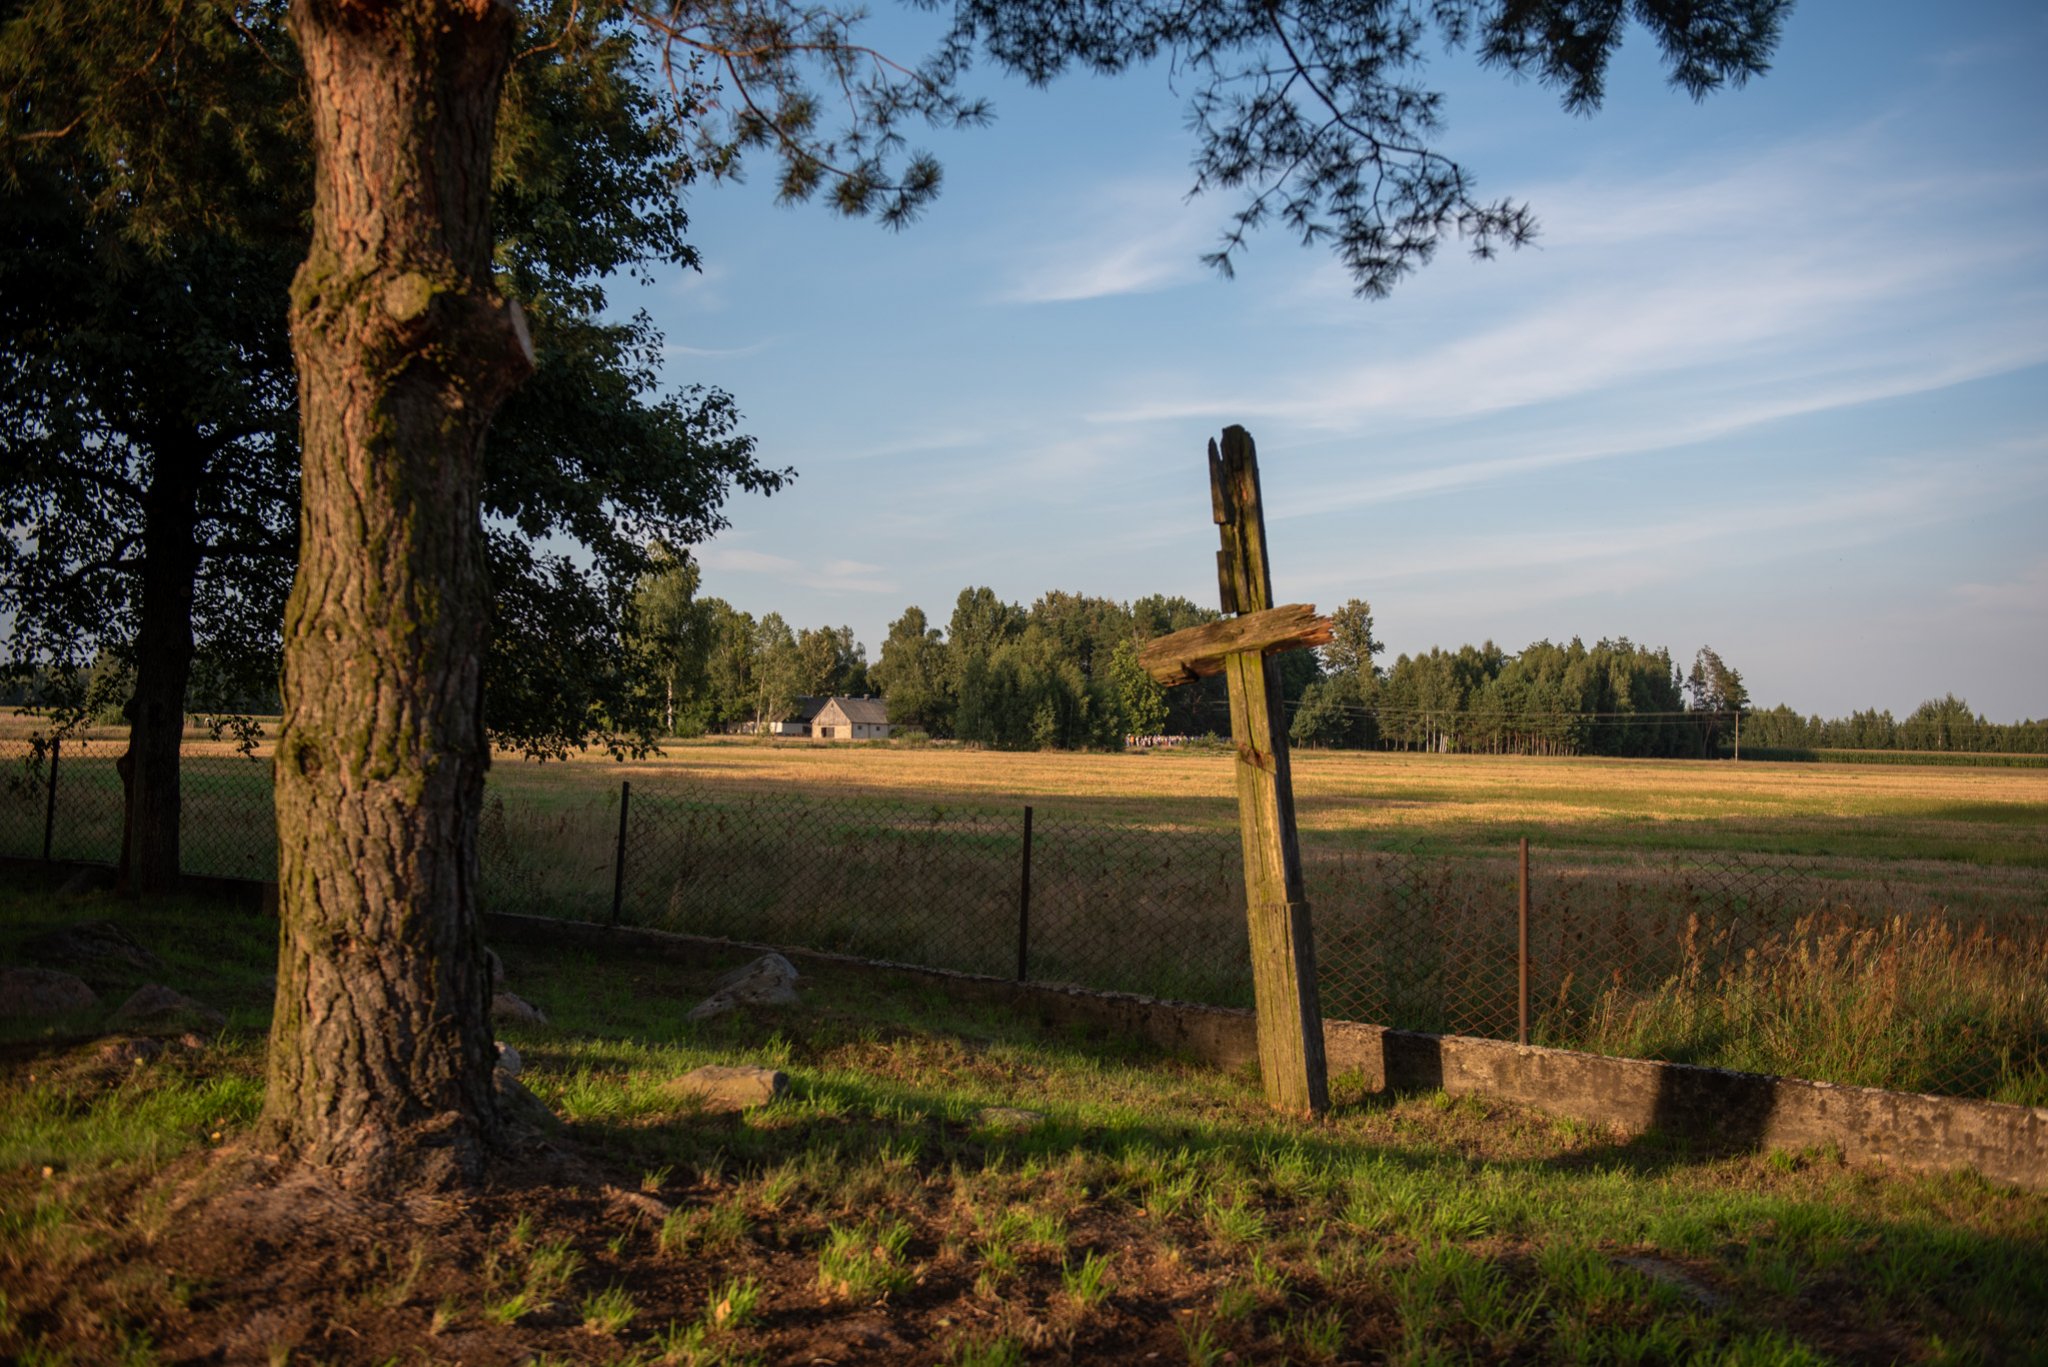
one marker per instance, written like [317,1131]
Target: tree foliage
[670,635]
[913,676]
[1353,649]
[1947,723]
[145,373]
[1315,114]
[157,184]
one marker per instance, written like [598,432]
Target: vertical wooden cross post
[1290,1020]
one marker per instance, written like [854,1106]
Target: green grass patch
[1159,1207]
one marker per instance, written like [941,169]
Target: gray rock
[159,1010]
[518,1100]
[497,967]
[637,1203]
[90,944]
[1674,1276]
[88,878]
[768,981]
[127,1053]
[721,1088]
[506,1006]
[509,1062]
[42,992]
[1010,1118]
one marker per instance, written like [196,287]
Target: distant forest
[1064,674]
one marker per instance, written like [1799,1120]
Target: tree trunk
[163,666]
[381,1052]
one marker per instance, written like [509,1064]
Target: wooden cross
[1290,1021]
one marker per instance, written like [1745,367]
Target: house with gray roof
[851,719]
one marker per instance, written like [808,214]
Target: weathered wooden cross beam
[1290,1020]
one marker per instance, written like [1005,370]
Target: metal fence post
[1024,906]
[1522,950]
[619,856]
[50,802]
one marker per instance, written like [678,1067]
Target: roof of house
[864,711]
[808,708]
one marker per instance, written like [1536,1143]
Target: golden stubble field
[1989,816]
[1826,914]
[1927,817]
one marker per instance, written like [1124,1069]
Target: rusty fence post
[1024,906]
[1522,950]
[619,858]
[50,802]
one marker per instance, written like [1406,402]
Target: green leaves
[1313,115]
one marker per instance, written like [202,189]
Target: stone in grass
[39,992]
[768,981]
[497,967]
[518,1103]
[509,1062]
[87,879]
[1008,1118]
[1674,1276]
[157,1009]
[90,945]
[508,1006]
[129,1053]
[722,1088]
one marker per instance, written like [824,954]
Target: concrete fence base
[2006,1144]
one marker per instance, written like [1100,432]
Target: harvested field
[1881,925]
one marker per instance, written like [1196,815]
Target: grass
[865,1261]
[608,1311]
[1157,1208]
[1908,899]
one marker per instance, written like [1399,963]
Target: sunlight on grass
[1157,1205]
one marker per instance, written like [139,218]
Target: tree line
[1063,674]
[1946,723]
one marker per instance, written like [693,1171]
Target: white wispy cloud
[852,576]
[1132,238]
[1483,578]
[1712,299]
[1706,413]
[704,289]
[743,561]
[829,576]
[2022,598]
[750,349]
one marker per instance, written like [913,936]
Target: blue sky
[1774,378]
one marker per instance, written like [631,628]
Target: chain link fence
[63,801]
[1843,971]
[916,883]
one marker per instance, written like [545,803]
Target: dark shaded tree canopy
[142,286]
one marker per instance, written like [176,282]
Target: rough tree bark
[163,667]
[381,1053]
